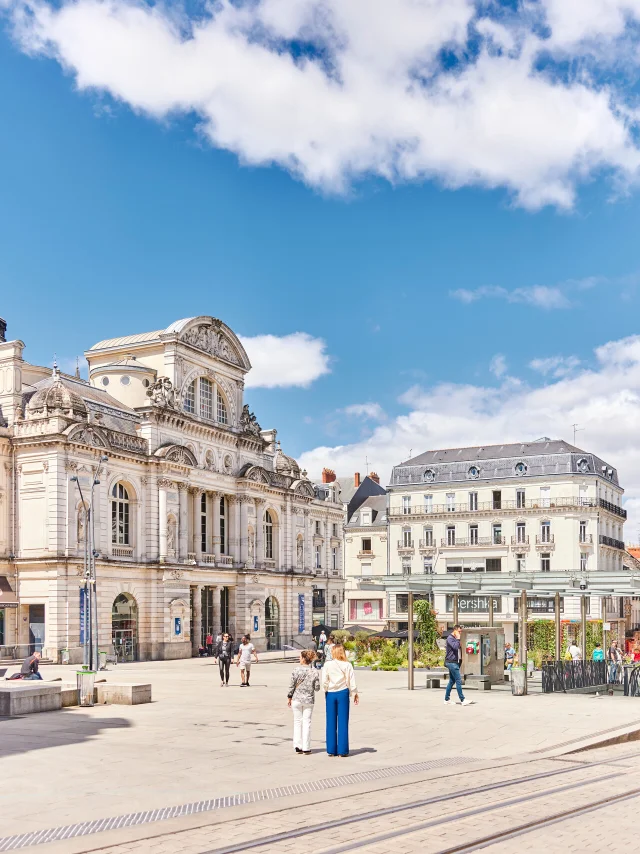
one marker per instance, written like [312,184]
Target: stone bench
[432,682]
[479,683]
[26,697]
[122,695]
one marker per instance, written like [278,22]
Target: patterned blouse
[305,681]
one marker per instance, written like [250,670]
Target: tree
[426,625]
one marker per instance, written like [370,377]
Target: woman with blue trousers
[339,685]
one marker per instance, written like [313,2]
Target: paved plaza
[198,741]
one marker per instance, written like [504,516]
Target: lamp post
[90,656]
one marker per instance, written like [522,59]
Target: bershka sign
[474,604]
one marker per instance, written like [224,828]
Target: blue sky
[114,220]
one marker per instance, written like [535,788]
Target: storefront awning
[7,596]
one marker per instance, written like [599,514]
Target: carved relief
[163,483]
[227,464]
[176,574]
[299,551]
[210,461]
[88,436]
[81,524]
[181,455]
[212,339]
[171,533]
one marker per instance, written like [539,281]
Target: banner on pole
[300,613]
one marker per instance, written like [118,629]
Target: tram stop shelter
[526,585]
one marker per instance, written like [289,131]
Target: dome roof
[286,465]
[53,395]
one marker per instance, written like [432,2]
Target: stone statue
[300,552]
[162,393]
[171,534]
[251,544]
[82,518]
[249,422]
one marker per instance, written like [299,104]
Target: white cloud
[604,400]
[374,98]
[290,360]
[498,365]
[539,296]
[555,366]
[370,411]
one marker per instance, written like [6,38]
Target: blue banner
[83,615]
[300,613]
[177,625]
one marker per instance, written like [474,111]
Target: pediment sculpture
[249,422]
[211,339]
[162,393]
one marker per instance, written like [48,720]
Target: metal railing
[632,681]
[484,506]
[562,676]
[427,544]
[610,541]
[406,545]
[464,542]
[612,508]
[519,540]
[586,539]
[548,540]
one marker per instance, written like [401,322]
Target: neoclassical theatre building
[201,522]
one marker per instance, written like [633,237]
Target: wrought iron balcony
[520,543]
[546,544]
[612,508]
[610,541]
[472,542]
[546,504]
[586,541]
[427,546]
[406,547]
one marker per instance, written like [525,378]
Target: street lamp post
[90,656]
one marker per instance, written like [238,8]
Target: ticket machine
[483,653]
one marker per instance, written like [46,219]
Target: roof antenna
[77,367]
[576,429]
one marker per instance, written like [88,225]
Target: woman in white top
[339,685]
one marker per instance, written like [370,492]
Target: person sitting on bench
[29,668]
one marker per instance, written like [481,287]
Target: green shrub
[340,635]
[391,657]
[350,645]
[426,624]
[362,637]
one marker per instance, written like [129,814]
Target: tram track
[370,815]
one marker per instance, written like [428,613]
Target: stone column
[308,545]
[183,522]
[217,542]
[260,552]
[197,618]
[234,527]
[163,486]
[288,544]
[244,524]
[216,611]
[197,523]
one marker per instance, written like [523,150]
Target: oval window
[125,380]
[105,380]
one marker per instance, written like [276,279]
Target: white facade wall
[362,607]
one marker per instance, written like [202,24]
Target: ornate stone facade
[200,521]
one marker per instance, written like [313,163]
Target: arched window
[120,528]
[206,398]
[221,409]
[190,398]
[268,535]
[223,526]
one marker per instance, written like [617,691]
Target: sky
[421,217]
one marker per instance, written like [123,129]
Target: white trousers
[301,725]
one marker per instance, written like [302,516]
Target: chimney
[328,476]
[374,477]
[3,330]
[356,479]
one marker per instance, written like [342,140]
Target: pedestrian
[614,657]
[314,645]
[305,681]
[322,639]
[509,655]
[598,653]
[209,643]
[328,648]
[339,685]
[574,652]
[29,669]
[452,660]
[245,651]
[224,654]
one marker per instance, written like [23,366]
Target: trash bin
[64,656]
[102,660]
[517,681]
[86,680]
[530,667]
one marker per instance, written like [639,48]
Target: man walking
[245,651]
[452,661]
[29,669]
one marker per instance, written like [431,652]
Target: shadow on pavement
[51,729]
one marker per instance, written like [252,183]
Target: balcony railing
[365,553]
[586,540]
[426,545]
[520,543]
[122,551]
[609,541]
[612,508]
[472,542]
[406,546]
[546,544]
[486,506]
